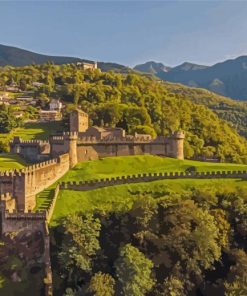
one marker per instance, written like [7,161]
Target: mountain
[152,67]
[13,56]
[228,78]
[187,67]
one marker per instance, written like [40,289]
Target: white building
[55,105]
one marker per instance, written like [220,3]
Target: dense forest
[174,244]
[234,112]
[134,102]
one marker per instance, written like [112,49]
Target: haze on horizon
[128,32]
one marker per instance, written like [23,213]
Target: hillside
[13,56]
[121,196]
[228,78]
[136,103]
[192,223]
[234,112]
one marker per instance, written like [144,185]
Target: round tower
[71,143]
[178,144]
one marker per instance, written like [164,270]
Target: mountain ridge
[17,57]
[228,78]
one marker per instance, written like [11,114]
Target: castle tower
[24,184]
[71,143]
[177,141]
[78,121]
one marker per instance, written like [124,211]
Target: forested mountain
[228,78]
[234,112]
[137,104]
[13,56]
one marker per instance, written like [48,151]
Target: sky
[128,32]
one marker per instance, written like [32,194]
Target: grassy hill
[120,198]
[129,165]
[32,131]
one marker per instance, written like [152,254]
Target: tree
[134,272]
[236,285]
[102,284]
[144,129]
[7,120]
[173,286]
[81,242]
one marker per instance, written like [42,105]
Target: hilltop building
[87,65]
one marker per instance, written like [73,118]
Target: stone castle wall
[83,148]
[31,150]
[29,222]
[138,178]
[23,185]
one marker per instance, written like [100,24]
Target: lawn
[10,162]
[121,197]
[129,165]
[39,131]
[34,130]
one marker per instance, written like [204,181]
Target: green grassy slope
[11,161]
[34,130]
[128,165]
[31,131]
[121,197]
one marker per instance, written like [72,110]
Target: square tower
[78,121]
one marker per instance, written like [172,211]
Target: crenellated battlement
[57,138]
[9,173]
[39,215]
[5,196]
[25,183]
[115,140]
[70,134]
[138,178]
[28,142]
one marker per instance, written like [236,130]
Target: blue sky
[128,32]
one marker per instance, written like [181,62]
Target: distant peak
[187,66]
[152,67]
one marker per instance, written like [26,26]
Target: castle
[51,159]
[89,143]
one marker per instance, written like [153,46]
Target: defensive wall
[149,177]
[30,222]
[83,148]
[30,150]
[24,184]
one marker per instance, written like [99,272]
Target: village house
[49,115]
[55,105]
